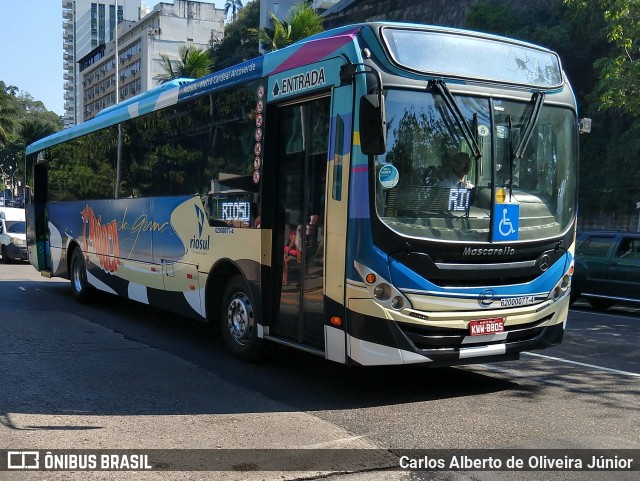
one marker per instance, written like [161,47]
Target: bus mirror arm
[584,125]
[373,119]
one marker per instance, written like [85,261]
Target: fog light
[565,281]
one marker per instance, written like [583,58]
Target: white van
[13,237]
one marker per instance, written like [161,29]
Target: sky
[31,48]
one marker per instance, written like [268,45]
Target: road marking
[592,366]
[21,288]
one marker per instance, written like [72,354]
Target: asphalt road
[118,375]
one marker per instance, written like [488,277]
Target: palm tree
[302,22]
[192,62]
[232,6]
[35,129]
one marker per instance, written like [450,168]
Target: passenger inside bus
[292,251]
[457,167]
[314,248]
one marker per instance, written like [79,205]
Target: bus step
[297,345]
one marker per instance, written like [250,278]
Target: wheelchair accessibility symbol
[506,222]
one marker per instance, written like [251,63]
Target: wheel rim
[240,318]
[77,271]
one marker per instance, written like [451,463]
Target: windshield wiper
[453,107]
[538,100]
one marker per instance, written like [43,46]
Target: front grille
[427,337]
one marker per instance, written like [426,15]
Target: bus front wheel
[78,275]
[238,322]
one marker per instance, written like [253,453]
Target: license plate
[482,327]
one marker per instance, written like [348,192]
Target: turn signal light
[336,321]
[371,278]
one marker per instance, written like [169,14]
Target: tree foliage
[619,68]
[302,22]
[233,7]
[23,120]
[192,62]
[238,44]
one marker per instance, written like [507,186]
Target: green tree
[233,6]
[192,62]
[620,69]
[302,22]
[7,115]
[238,44]
[33,129]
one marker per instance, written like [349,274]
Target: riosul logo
[102,238]
[197,242]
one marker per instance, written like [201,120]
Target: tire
[600,304]
[237,321]
[573,297]
[80,288]
[5,256]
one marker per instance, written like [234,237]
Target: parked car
[607,268]
[13,237]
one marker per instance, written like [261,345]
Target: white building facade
[140,44]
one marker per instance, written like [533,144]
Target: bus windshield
[430,184]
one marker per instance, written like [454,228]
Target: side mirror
[373,125]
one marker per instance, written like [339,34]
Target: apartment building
[162,30]
[86,25]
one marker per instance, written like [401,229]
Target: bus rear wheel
[238,322]
[78,275]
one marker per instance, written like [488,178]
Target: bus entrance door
[302,143]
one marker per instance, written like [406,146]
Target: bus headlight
[397,302]
[17,242]
[561,288]
[381,290]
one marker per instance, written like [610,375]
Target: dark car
[607,268]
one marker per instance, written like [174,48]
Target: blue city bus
[376,194]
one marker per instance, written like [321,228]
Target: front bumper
[17,252]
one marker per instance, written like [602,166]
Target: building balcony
[68,56]
[68,95]
[68,76]
[67,14]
